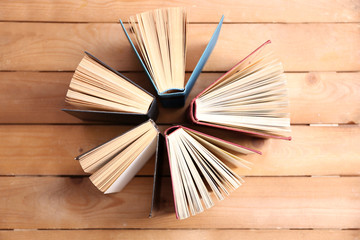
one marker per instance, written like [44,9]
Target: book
[113,164]
[250,98]
[197,168]
[160,38]
[99,93]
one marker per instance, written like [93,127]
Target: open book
[251,98]
[100,93]
[197,167]
[160,38]
[114,163]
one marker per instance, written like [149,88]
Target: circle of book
[250,98]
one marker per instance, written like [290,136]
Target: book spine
[155,198]
[153,110]
[172,101]
[192,111]
[167,148]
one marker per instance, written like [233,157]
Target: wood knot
[311,78]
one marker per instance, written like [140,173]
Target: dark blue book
[85,112]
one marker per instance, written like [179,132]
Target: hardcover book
[250,98]
[198,171]
[113,164]
[97,92]
[160,45]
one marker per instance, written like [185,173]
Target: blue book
[172,98]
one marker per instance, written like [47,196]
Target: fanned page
[114,163]
[95,87]
[161,39]
[198,170]
[251,97]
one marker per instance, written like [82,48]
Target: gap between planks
[126,22]
[180,229]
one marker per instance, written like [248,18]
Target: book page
[94,159]
[190,162]
[251,97]
[94,86]
[160,36]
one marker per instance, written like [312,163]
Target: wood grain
[59,47]
[186,234]
[318,42]
[50,150]
[271,202]
[324,97]
[316,97]
[201,11]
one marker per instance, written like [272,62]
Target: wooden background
[308,188]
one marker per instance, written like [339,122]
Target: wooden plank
[201,11]
[324,97]
[33,97]
[59,47]
[50,150]
[271,202]
[188,234]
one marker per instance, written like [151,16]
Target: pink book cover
[192,107]
[172,129]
